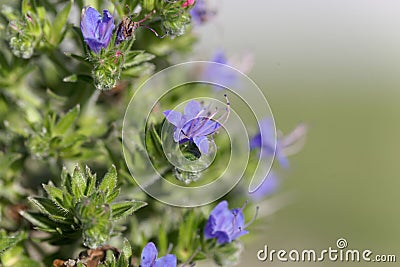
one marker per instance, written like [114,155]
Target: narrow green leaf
[40,221]
[127,249]
[25,6]
[141,70]
[71,78]
[126,208]
[228,255]
[91,182]
[8,241]
[109,181]
[77,57]
[60,21]
[122,262]
[49,208]
[130,55]
[54,96]
[55,194]
[113,195]
[66,121]
[138,60]
[78,183]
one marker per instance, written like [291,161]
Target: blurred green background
[334,65]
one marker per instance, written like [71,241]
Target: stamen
[234,222]
[244,205]
[170,246]
[210,117]
[147,16]
[196,117]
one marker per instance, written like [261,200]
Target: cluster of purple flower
[224,225]
[97,30]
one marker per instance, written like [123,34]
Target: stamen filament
[254,217]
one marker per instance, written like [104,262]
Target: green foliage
[31,29]
[81,206]
[9,241]
[62,107]
[50,137]
[16,256]
[228,254]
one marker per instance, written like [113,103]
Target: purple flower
[200,12]
[96,30]
[194,125]
[225,225]
[266,142]
[269,185]
[219,74]
[149,258]
[285,145]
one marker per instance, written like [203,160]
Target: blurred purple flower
[269,186]
[200,12]
[149,258]
[195,124]
[225,225]
[220,74]
[96,30]
[266,142]
[285,145]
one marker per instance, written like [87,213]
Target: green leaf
[228,254]
[138,59]
[48,207]
[55,194]
[54,96]
[77,57]
[16,256]
[140,70]
[91,182]
[66,121]
[130,55]
[41,221]
[8,241]
[78,77]
[126,208]
[148,5]
[127,249]
[71,78]
[78,183]
[109,181]
[113,195]
[60,21]
[122,262]
[25,6]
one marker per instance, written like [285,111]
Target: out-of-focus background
[334,65]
